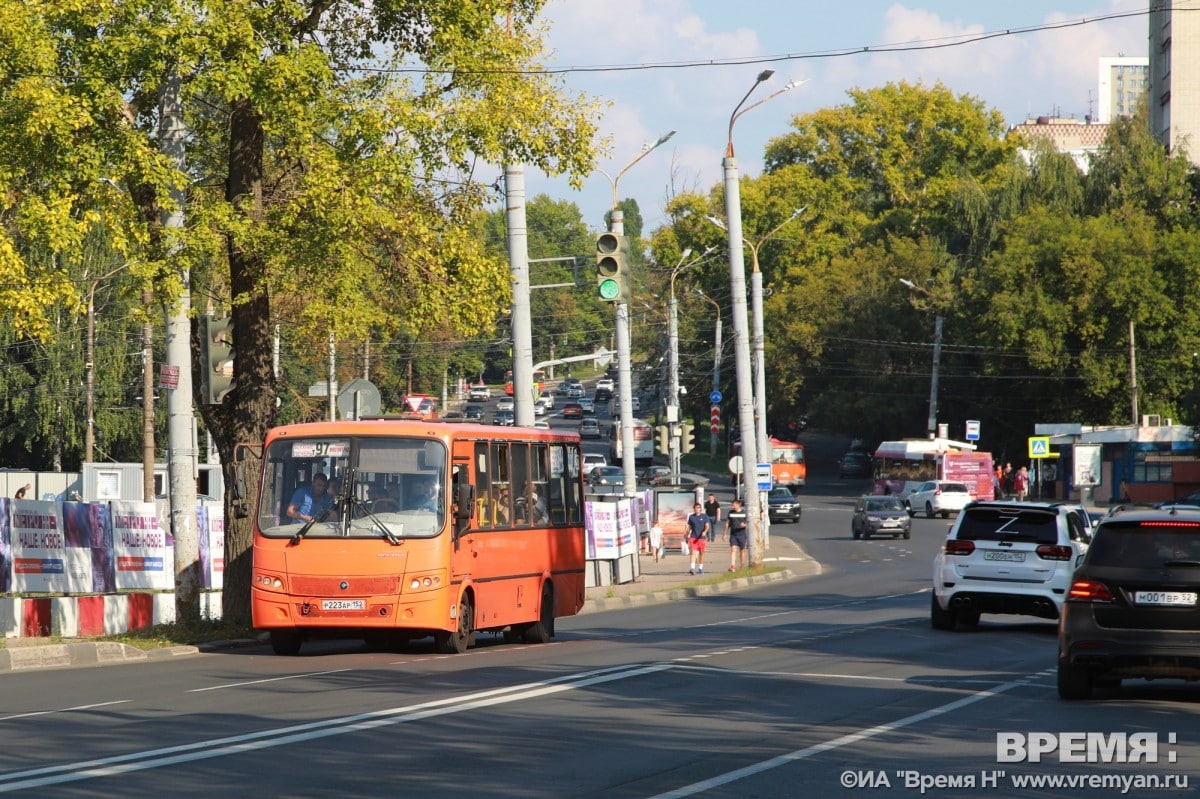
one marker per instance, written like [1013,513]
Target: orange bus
[539,381]
[427,528]
[788,467]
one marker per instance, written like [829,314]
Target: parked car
[587,405]
[589,428]
[1133,606]
[506,418]
[479,392]
[572,410]
[473,411]
[1006,557]
[506,404]
[655,475]
[880,515]
[591,460]
[938,497]
[782,505]
[606,476]
[855,464]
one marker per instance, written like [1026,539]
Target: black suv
[1132,609]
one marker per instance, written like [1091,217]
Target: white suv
[938,497]
[1007,557]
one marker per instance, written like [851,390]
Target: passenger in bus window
[502,513]
[532,498]
[381,502]
[425,497]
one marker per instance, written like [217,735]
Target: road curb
[685,592]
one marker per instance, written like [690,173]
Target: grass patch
[201,631]
[725,576]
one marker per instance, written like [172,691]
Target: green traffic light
[609,289]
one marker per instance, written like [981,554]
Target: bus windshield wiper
[303,531]
[360,506]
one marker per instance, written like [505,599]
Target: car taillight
[1055,552]
[937,490]
[1088,591]
[957,547]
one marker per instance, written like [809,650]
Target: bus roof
[919,448]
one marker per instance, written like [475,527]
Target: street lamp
[673,416]
[756,315]
[716,386]
[616,224]
[741,337]
[937,354]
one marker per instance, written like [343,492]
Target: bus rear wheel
[460,640]
[285,642]
[542,630]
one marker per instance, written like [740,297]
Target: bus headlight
[424,582]
[268,582]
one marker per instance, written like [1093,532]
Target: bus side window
[483,500]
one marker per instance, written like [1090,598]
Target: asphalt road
[835,685]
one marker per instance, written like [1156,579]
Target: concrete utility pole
[931,425]
[522,327]
[181,423]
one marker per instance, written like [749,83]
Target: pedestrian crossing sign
[1039,447]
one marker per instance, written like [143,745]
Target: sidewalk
[668,580]
[665,581]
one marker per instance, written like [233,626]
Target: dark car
[473,411]
[854,464]
[506,418]
[606,476]
[572,410]
[655,475]
[1133,608]
[602,395]
[880,515]
[782,505]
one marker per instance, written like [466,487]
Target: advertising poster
[627,537]
[38,547]
[77,531]
[673,510]
[602,531]
[211,521]
[1087,464]
[103,561]
[143,557]
[6,564]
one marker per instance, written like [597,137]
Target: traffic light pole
[673,383]
[621,318]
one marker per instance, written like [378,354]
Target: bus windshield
[354,486]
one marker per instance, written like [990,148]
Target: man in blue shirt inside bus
[310,501]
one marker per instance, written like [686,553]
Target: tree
[331,188]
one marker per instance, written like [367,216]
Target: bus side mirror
[464,507]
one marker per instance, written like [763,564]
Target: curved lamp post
[716,386]
[673,415]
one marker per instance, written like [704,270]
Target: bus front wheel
[542,630]
[460,640]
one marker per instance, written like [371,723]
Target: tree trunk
[240,423]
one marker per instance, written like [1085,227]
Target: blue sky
[1022,75]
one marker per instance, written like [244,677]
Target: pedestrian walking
[656,541]
[712,509]
[735,532]
[1021,484]
[698,525]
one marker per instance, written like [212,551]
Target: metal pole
[673,381]
[933,380]
[522,326]
[763,446]
[624,374]
[741,351]
[714,435]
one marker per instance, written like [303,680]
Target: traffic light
[663,446]
[216,351]
[612,267]
[688,442]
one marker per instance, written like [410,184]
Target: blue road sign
[715,398]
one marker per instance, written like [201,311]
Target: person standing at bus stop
[698,525]
[735,531]
[712,509]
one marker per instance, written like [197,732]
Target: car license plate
[1184,598]
[1009,557]
[343,604]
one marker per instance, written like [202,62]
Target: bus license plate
[1184,598]
[1010,557]
[343,604]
